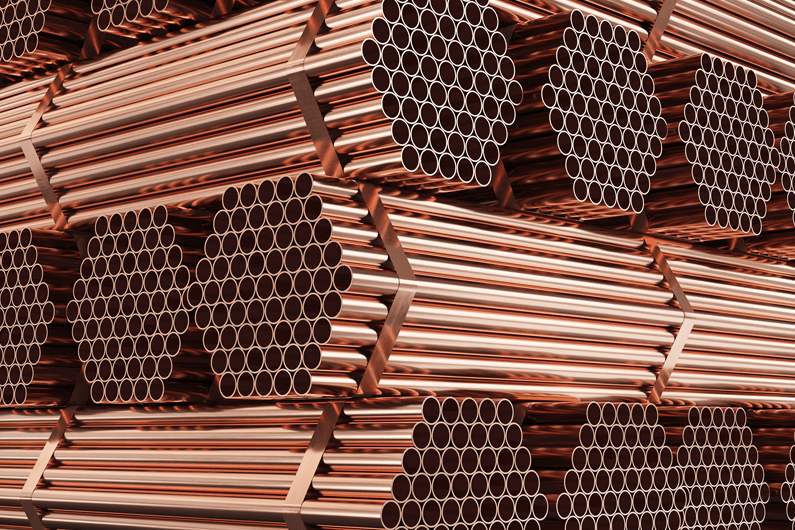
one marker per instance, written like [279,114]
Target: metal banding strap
[41,464]
[368,386]
[656,33]
[309,464]
[737,244]
[305,94]
[685,328]
[94,40]
[222,7]
[91,47]
[78,398]
[28,149]
[407,288]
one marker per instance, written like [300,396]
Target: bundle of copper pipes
[605,465]
[552,312]
[721,472]
[773,437]
[304,312]
[267,281]
[720,164]
[39,364]
[592,124]
[131,18]
[393,463]
[128,315]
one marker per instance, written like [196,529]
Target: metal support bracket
[685,328]
[305,94]
[656,33]
[368,386]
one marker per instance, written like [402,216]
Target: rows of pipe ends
[453,90]
[448,85]
[630,466]
[467,468]
[262,292]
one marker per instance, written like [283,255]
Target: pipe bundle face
[261,289]
[726,142]
[721,474]
[602,106]
[464,467]
[27,310]
[127,313]
[20,25]
[448,85]
[623,475]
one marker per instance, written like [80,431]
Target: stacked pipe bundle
[339,303]
[605,465]
[449,85]
[265,287]
[723,145]
[777,237]
[721,474]
[235,111]
[455,463]
[22,21]
[237,464]
[23,435]
[128,314]
[132,17]
[592,128]
[203,467]
[743,314]
[465,316]
[607,307]
[40,35]
[38,356]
